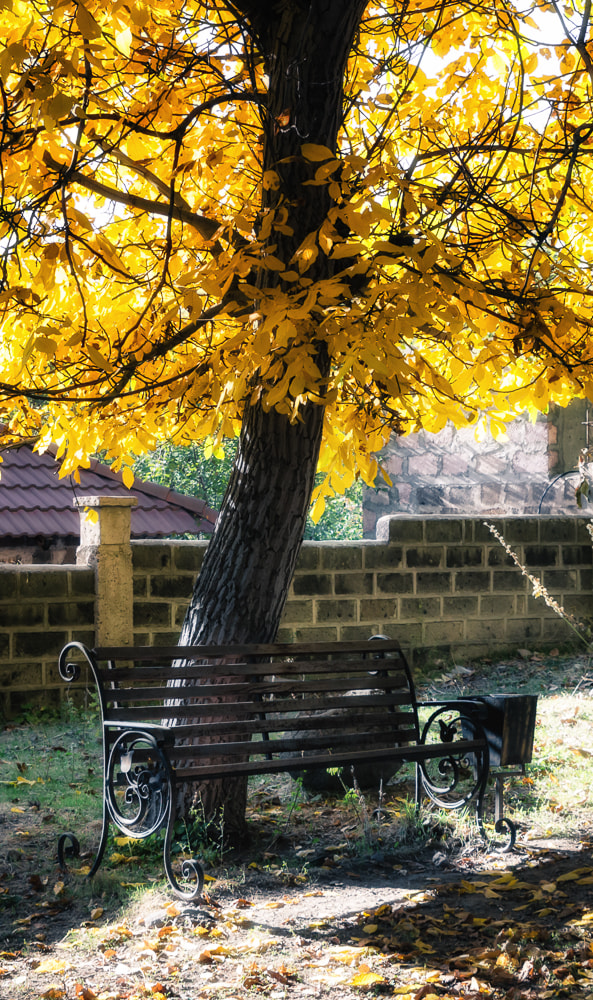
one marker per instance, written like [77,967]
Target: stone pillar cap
[105,501]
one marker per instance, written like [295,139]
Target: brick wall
[443,586]
[41,609]
[164,575]
[464,474]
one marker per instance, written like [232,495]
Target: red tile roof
[34,501]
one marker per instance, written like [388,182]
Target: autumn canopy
[154,278]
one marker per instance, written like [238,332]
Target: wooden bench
[193,714]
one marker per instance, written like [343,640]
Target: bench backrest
[259,708]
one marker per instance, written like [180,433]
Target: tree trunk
[240,593]
[241,590]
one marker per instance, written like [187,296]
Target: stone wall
[41,609]
[443,586]
[465,473]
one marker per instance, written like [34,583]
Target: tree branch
[207,228]
[139,168]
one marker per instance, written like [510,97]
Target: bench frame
[278,689]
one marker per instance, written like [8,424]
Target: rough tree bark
[241,590]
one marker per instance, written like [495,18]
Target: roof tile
[35,501]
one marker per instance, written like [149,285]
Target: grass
[52,766]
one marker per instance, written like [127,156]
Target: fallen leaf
[53,966]
[365,977]
[85,992]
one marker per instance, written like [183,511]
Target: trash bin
[509,725]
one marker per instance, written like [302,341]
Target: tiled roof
[35,501]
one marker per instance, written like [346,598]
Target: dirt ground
[321,903]
[448,919]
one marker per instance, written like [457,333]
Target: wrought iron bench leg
[502,822]
[191,869]
[69,845]
[102,842]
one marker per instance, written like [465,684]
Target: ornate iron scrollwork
[68,846]
[502,825]
[192,872]
[140,798]
[457,779]
[138,784]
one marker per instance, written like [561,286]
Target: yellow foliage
[156,273]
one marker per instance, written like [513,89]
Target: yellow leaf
[316,153]
[123,40]
[53,965]
[366,978]
[98,359]
[272,263]
[318,509]
[127,476]
[347,250]
[271,180]
[570,876]
[46,345]
[87,25]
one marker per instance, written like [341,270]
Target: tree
[199,472]
[288,219]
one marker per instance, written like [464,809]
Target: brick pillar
[105,545]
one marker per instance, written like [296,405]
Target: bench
[193,714]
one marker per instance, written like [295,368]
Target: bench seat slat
[305,742]
[294,724]
[165,671]
[204,730]
[255,767]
